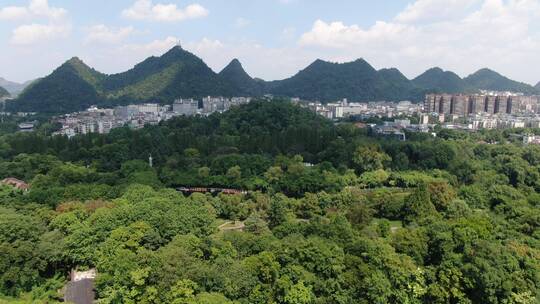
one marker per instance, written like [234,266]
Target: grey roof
[80,292]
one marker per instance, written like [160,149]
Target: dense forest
[331,213]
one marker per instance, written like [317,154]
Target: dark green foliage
[398,87]
[356,81]
[243,84]
[436,80]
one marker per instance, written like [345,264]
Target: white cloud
[35,9]
[13,13]
[100,33]
[47,22]
[339,35]
[152,48]
[241,22]
[146,10]
[34,33]
[42,8]
[423,10]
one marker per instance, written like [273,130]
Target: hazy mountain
[537,87]
[486,79]
[178,73]
[12,87]
[436,80]
[4,93]
[235,75]
[71,87]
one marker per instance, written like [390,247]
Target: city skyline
[458,35]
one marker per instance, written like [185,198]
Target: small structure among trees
[17,183]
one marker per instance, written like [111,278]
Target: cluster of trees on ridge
[453,219]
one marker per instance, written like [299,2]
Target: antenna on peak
[178,43]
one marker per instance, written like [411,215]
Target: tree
[183,292]
[418,206]
[234,174]
[256,225]
[279,211]
[369,159]
[273,174]
[360,214]
[299,294]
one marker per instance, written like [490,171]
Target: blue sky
[273,38]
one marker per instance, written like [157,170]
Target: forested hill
[180,74]
[74,86]
[176,74]
[449,219]
[356,80]
[440,81]
[71,87]
[240,81]
[487,79]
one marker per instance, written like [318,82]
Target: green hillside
[486,79]
[398,87]
[436,80]
[177,73]
[71,87]
[235,75]
[327,81]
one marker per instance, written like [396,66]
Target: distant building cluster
[490,110]
[464,105]
[341,109]
[102,121]
[530,139]
[396,129]
[477,122]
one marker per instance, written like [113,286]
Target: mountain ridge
[440,81]
[55,93]
[180,74]
[235,74]
[13,87]
[487,79]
